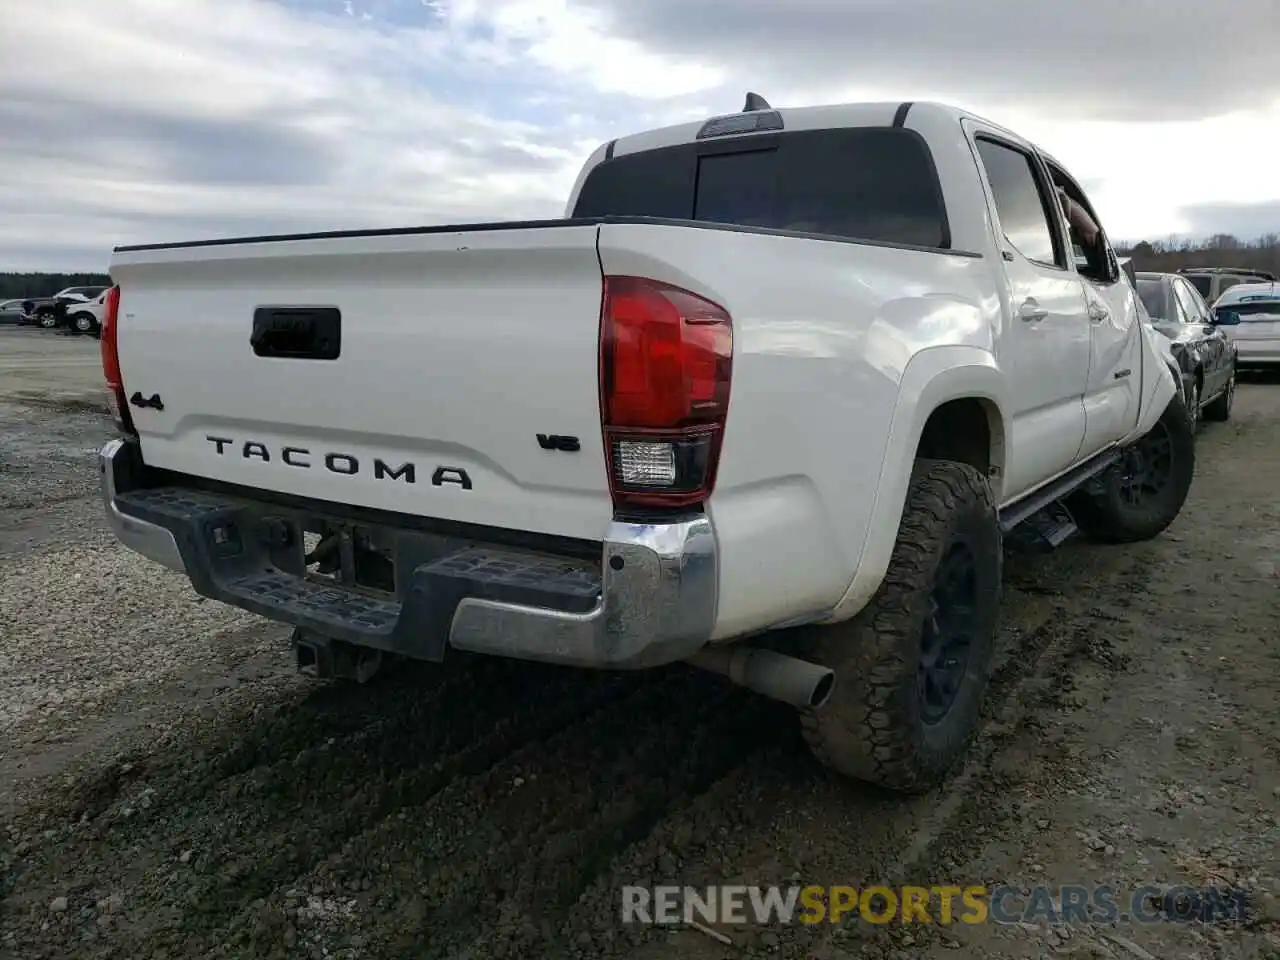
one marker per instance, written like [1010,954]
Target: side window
[1021,203]
[1187,300]
[1227,283]
[1094,261]
[1196,302]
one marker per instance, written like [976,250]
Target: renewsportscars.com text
[1094,904]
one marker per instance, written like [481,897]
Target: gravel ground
[169,788]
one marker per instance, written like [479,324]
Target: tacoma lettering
[343,464]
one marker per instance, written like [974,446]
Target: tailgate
[461,357]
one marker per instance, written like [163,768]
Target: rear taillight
[666,357]
[109,344]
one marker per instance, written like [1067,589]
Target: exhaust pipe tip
[771,674]
[822,690]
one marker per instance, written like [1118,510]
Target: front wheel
[1142,494]
[48,321]
[82,323]
[912,667]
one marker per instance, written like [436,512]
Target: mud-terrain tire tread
[1104,518]
[869,729]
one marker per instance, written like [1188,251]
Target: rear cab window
[872,184]
[1255,309]
[1259,304]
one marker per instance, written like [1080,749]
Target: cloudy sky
[128,121]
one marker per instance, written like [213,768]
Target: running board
[1020,510]
[1044,531]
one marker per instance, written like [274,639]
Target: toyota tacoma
[772,398]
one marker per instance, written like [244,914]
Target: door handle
[1098,313]
[1031,311]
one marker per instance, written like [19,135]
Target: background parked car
[1213,282]
[66,302]
[86,317]
[1205,355]
[1249,315]
[40,312]
[79,294]
[12,312]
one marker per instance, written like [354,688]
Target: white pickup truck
[783,368]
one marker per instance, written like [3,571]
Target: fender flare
[932,377]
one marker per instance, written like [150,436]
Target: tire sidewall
[940,742]
[78,320]
[876,655]
[1157,512]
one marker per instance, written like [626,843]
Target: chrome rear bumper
[649,600]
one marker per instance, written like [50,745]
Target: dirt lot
[168,787]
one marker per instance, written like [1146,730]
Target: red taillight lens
[109,345]
[666,358]
[110,354]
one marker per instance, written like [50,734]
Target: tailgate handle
[298,333]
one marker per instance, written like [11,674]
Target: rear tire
[912,667]
[47,320]
[1142,494]
[1220,409]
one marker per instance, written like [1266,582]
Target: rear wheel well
[967,430]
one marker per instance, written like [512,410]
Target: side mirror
[1225,318]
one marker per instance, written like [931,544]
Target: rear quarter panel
[824,333]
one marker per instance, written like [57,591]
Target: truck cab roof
[823,117]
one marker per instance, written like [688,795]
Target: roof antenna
[755,102]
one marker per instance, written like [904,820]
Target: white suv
[1249,315]
[1212,282]
[86,316]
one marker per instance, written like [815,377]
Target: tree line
[15,285]
[1220,250]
